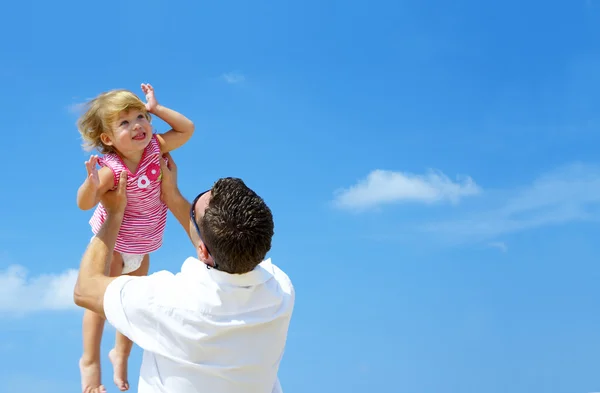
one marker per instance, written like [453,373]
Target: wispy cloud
[569,194]
[233,77]
[76,108]
[385,187]
[499,245]
[23,294]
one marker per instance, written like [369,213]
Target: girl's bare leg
[93,327]
[119,355]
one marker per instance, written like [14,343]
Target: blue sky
[432,168]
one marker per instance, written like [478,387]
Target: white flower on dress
[143,181]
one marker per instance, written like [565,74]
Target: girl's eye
[124,122]
[140,116]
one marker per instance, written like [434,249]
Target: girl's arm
[94,187]
[182,128]
[181,131]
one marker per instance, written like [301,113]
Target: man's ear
[202,251]
[203,254]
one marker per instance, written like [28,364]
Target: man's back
[203,330]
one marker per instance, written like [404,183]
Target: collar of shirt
[262,273]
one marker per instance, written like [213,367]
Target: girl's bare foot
[119,363]
[90,377]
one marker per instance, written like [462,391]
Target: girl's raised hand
[92,171]
[151,102]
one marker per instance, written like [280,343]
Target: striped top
[145,215]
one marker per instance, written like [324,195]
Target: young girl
[117,124]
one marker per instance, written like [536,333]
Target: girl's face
[131,132]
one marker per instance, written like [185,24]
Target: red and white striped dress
[145,216]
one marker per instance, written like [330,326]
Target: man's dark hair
[237,226]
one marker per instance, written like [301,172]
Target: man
[220,325]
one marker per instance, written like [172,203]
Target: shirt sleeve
[277,387]
[129,307]
[105,161]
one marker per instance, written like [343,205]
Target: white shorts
[131,262]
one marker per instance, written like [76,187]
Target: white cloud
[77,108]
[499,245]
[23,294]
[233,77]
[385,187]
[569,194]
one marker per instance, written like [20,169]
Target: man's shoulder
[284,282]
[280,275]
[159,278]
[162,275]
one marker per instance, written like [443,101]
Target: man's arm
[127,302]
[171,196]
[180,208]
[92,279]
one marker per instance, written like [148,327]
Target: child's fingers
[91,163]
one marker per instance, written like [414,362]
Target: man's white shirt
[203,330]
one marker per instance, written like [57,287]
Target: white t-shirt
[203,330]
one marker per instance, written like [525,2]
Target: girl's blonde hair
[101,112]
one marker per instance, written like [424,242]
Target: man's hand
[115,201]
[151,102]
[168,185]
